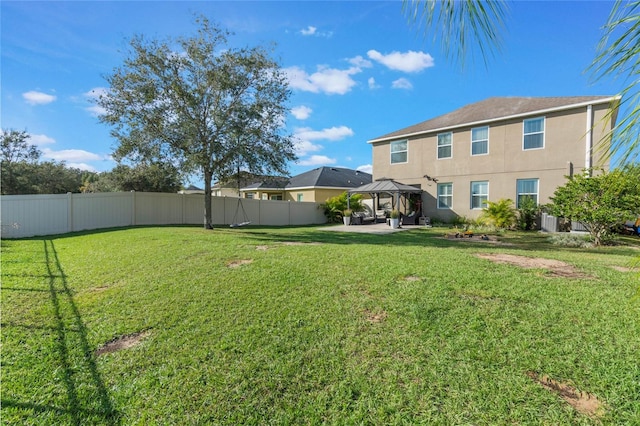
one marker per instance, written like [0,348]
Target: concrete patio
[373,228]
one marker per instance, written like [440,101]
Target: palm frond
[461,25]
[619,57]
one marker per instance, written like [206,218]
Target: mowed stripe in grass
[299,325]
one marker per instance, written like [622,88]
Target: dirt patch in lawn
[298,243]
[412,278]
[262,248]
[583,402]
[556,268]
[622,268]
[122,342]
[239,263]
[375,317]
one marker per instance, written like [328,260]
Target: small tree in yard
[527,213]
[200,105]
[599,202]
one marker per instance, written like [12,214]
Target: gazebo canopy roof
[384,185]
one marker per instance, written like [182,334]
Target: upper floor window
[526,188]
[479,194]
[399,152]
[445,145]
[445,195]
[533,133]
[480,140]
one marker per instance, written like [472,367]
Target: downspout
[589,140]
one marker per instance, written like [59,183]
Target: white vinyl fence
[31,215]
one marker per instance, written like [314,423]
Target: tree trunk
[208,224]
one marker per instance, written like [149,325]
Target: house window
[399,152]
[479,194]
[480,140]
[445,145]
[533,131]
[275,197]
[299,197]
[445,195]
[526,188]
[249,195]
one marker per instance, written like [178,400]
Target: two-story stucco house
[511,147]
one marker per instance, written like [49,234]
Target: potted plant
[394,219]
[346,216]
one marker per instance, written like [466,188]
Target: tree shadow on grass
[87,399]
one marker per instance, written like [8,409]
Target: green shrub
[566,239]
[500,214]
[527,213]
[335,207]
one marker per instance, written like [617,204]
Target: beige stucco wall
[564,146]
[317,195]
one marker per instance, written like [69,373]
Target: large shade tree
[200,104]
[468,26]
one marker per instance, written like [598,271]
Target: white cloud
[372,83]
[360,62]
[96,110]
[317,160]
[309,31]
[367,168]
[332,133]
[313,31]
[40,139]
[326,80]
[303,147]
[37,98]
[82,166]
[301,112]
[71,155]
[402,83]
[408,62]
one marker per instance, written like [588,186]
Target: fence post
[133,208]
[182,210]
[69,212]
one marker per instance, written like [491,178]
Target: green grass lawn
[304,326]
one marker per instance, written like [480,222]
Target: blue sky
[358,70]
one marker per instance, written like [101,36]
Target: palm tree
[464,23]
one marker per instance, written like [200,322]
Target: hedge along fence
[31,215]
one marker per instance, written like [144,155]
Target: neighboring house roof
[267,184]
[329,177]
[497,108]
[321,177]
